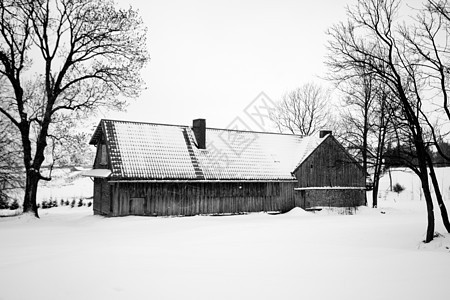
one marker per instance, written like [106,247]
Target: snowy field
[373,254]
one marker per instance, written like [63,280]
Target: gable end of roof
[96,136]
[329,136]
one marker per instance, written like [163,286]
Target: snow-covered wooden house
[170,170]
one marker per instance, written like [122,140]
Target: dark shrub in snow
[72,204]
[49,204]
[80,202]
[14,205]
[89,204]
[398,188]
[3,202]
[44,204]
[61,202]
[67,203]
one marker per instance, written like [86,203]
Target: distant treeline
[402,156]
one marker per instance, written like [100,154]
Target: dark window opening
[103,155]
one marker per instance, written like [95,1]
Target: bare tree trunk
[379,155]
[29,202]
[390,179]
[32,166]
[32,175]
[423,175]
[364,152]
[375,192]
[377,174]
[376,177]
[430,211]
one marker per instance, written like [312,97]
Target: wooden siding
[97,196]
[330,165]
[186,199]
[102,196]
[331,198]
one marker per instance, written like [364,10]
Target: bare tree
[370,40]
[382,129]
[428,42]
[355,116]
[64,59]
[304,110]
[365,122]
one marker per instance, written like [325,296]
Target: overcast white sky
[210,59]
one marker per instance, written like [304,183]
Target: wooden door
[137,206]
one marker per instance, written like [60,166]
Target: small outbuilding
[170,170]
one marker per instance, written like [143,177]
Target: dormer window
[103,155]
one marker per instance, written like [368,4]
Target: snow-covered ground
[374,254]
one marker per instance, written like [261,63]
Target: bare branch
[304,110]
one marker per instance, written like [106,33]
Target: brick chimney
[324,133]
[199,128]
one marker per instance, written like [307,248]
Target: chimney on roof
[199,128]
[324,133]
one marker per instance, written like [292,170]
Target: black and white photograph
[224,149]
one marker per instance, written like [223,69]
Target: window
[103,156]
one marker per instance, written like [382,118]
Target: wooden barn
[169,170]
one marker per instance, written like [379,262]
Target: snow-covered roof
[147,151]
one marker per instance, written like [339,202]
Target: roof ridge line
[213,128]
[140,122]
[254,131]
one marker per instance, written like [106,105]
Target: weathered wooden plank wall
[332,198]
[97,196]
[185,199]
[102,189]
[330,165]
[102,196]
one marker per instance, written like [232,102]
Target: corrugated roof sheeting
[156,151]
